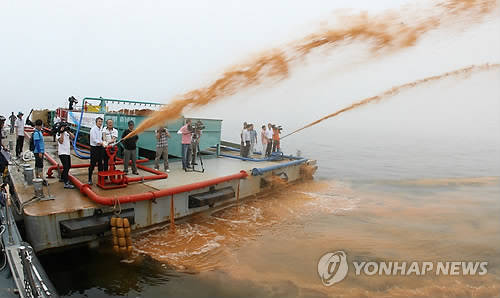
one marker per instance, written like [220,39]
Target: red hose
[86,190]
[157,175]
[119,161]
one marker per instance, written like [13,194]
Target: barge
[55,218]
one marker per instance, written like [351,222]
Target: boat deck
[69,200]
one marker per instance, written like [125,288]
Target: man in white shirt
[96,148]
[269,135]
[63,149]
[246,140]
[20,134]
[242,142]
[109,136]
[56,120]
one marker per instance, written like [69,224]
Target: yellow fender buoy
[119,222]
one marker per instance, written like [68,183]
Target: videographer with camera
[72,101]
[195,140]
[64,135]
[186,132]
[55,121]
[162,136]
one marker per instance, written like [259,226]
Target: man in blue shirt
[39,148]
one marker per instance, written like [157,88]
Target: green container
[211,135]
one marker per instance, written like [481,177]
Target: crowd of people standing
[269,137]
[101,135]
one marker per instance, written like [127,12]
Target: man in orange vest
[276,138]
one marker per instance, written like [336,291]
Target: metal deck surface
[68,200]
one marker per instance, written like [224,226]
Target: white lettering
[469,268]
[386,267]
[441,268]
[454,268]
[483,266]
[358,267]
[426,267]
[413,269]
[373,271]
[401,268]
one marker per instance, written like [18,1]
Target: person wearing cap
[12,119]
[162,136]
[19,133]
[130,149]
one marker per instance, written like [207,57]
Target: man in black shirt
[130,145]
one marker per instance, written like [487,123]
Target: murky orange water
[274,242]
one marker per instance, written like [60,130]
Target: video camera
[278,127]
[60,127]
[197,126]
[73,100]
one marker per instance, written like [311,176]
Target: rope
[116,203]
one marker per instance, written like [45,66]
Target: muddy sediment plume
[206,242]
[385,32]
[397,89]
[280,237]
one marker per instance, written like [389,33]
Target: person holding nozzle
[96,148]
[109,137]
[162,136]
[63,136]
[130,149]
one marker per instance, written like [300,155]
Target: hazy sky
[153,50]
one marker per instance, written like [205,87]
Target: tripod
[201,161]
